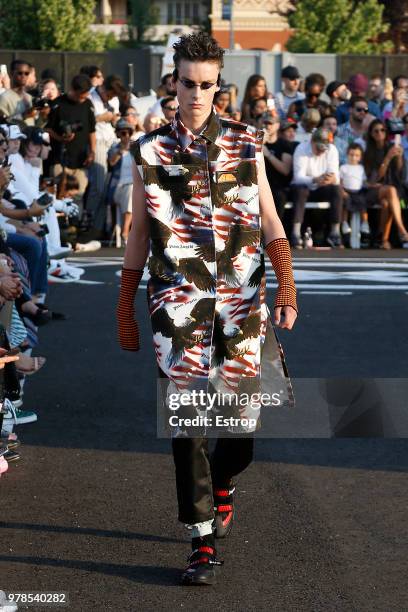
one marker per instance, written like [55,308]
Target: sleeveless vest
[206,292]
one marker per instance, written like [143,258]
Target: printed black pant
[328,193]
[197,472]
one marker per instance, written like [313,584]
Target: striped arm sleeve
[279,253]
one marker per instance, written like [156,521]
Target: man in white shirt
[106,105]
[290,92]
[316,179]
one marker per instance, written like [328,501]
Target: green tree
[337,26]
[143,14]
[53,25]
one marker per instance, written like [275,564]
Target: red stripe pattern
[128,329]
[279,253]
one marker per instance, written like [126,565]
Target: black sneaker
[201,563]
[224,511]
[334,240]
[296,241]
[365,240]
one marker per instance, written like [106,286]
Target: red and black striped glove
[128,329]
[281,259]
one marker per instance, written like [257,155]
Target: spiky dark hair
[198,47]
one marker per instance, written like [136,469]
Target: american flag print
[206,292]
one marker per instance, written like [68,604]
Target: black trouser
[328,193]
[280,199]
[197,473]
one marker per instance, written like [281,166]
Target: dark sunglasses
[190,84]
[361,109]
[22,73]
[172,108]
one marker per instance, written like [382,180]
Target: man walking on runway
[200,197]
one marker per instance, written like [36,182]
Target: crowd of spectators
[66,179]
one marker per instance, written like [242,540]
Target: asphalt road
[90,509]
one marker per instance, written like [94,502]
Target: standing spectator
[354,129]
[166,89]
[71,126]
[234,110]
[314,85]
[376,90]
[290,90]
[121,184]
[94,73]
[131,115]
[152,122]
[16,102]
[309,122]
[222,102]
[32,83]
[358,85]
[169,107]
[353,179]
[384,167]
[278,154]
[257,109]
[5,82]
[338,93]
[398,106]
[106,108]
[330,123]
[316,178]
[255,89]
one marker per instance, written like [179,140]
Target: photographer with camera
[71,125]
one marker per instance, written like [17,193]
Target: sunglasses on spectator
[172,108]
[190,84]
[361,109]
[23,73]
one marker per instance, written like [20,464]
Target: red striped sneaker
[224,510]
[201,564]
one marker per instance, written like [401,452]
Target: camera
[67,128]
[5,164]
[395,126]
[41,103]
[43,231]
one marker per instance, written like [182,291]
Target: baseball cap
[290,72]
[13,131]
[322,138]
[288,123]
[358,83]
[332,86]
[122,124]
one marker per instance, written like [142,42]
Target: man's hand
[90,158]
[10,286]
[68,137]
[395,151]
[289,316]
[36,210]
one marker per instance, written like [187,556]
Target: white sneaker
[59,252]
[60,271]
[92,245]
[345,227]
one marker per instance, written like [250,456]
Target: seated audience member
[355,128]
[288,130]
[338,93]
[169,107]
[152,122]
[234,111]
[358,85]
[132,116]
[376,91]
[353,180]
[330,123]
[257,109]
[314,85]
[94,73]
[310,120]
[398,107]
[316,179]
[222,102]
[16,102]
[255,89]
[121,184]
[290,91]
[384,167]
